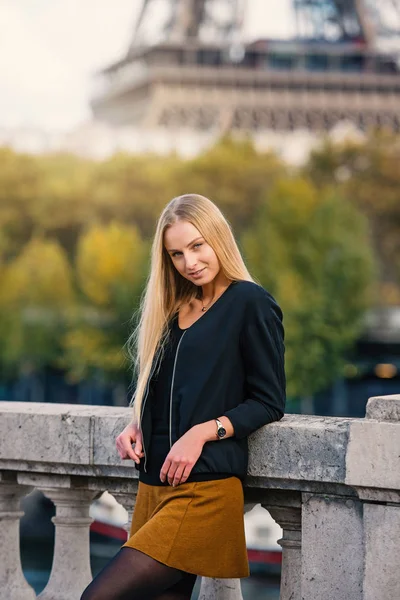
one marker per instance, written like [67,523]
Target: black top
[160,414]
[230,362]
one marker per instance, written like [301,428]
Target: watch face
[221,432]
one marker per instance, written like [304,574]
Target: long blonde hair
[166,289]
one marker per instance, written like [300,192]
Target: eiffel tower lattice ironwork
[188,67]
[366,20]
[183,20]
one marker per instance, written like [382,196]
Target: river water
[37,557]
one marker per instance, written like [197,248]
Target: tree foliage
[132,189]
[75,237]
[19,191]
[310,249]
[110,271]
[235,176]
[109,260]
[36,293]
[367,174]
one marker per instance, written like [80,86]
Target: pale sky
[50,48]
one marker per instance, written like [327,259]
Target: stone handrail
[332,484]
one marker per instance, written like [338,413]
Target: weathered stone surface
[80,440]
[44,432]
[332,542]
[301,447]
[220,589]
[105,432]
[290,521]
[63,434]
[71,571]
[382,552]
[373,455]
[13,585]
[384,408]
[325,468]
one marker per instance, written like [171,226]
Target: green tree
[133,189]
[234,175]
[43,196]
[64,205]
[310,248]
[35,294]
[367,174]
[20,182]
[110,271]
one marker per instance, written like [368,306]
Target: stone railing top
[384,408]
[299,452]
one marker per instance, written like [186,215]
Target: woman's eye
[194,246]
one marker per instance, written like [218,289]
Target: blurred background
[286,113]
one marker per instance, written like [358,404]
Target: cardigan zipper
[172,385]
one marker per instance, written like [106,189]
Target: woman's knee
[92,594]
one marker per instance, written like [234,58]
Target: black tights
[132,575]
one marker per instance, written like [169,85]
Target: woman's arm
[263,350]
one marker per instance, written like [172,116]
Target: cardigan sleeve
[262,347]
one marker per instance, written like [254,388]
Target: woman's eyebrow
[175,250]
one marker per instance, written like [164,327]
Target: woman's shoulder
[255,298]
[251,291]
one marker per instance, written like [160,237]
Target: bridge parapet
[332,484]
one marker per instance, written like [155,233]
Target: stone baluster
[332,547]
[373,469]
[382,550]
[12,580]
[128,501]
[71,572]
[289,518]
[222,589]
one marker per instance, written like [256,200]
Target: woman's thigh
[132,575]
[181,590]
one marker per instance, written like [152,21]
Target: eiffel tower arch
[188,66]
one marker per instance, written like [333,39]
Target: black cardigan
[229,362]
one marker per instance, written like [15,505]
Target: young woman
[209,354]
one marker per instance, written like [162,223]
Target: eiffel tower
[188,66]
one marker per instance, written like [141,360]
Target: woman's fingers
[139,446]
[186,473]
[131,434]
[165,469]
[125,450]
[175,472]
[178,474]
[171,472]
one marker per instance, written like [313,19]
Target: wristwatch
[221,431]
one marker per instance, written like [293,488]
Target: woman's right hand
[131,434]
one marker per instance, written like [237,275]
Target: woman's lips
[198,273]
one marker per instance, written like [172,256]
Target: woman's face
[190,253]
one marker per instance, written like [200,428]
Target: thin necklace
[204,307]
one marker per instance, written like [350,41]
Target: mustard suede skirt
[197,527]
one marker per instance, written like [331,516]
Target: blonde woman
[209,358]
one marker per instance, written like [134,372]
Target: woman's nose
[191,266]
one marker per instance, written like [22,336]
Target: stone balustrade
[332,484]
